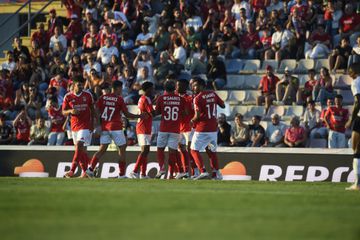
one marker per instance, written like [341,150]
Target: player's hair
[339,96]
[117,84]
[169,86]
[239,115]
[146,85]
[79,79]
[183,81]
[200,81]
[312,102]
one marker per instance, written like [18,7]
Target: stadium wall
[264,164]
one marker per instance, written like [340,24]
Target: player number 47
[108,113]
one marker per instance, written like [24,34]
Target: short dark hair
[146,85]
[200,81]
[79,79]
[339,96]
[169,85]
[117,84]
[183,81]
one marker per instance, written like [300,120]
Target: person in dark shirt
[224,131]
[20,49]
[6,131]
[216,72]
[340,55]
[257,132]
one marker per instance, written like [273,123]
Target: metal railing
[27,23]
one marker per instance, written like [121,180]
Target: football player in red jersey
[205,121]
[143,130]
[80,105]
[110,107]
[171,107]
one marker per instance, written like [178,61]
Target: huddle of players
[188,126]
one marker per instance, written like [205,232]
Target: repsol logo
[305,173]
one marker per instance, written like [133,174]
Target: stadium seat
[304,65]
[255,110]
[251,66]
[343,82]
[321,63]
[250,96]
[347,96]
[279,110]
[234,65]
[273,63]
[294,111]
[236,97]
[302,80]
[235,81]
[239,109]
[289,63]
[226,110]
[251,82]
[223,94]
[318,143]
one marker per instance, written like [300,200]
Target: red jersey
[82,103]
[57,119]
[58,84]
[293,134]
[143,126]
[269,84]
[89,35]
[302,10]
[185,125]
[110,108]
[338,118]
[22,130]
[248,39]
[171,107]
[206,103]
[104,36]
[349,22]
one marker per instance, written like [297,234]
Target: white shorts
[186,137]
[201,140]
[117,136]
[144,139]
[83,135]
[170,140]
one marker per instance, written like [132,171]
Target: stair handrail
[26,23]
[13,14]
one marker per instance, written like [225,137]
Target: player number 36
[171,113]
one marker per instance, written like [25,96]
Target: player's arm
[355,111]
[196,116]
[66,110]
[326,118]
[131,115]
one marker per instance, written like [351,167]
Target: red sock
[198,160]
[213,160]
[122,168]
[83,160]
[144,166]
[86,159]
[161,158]
[75,161]
[94,162]
[138,163]
[185,160]
[179,164]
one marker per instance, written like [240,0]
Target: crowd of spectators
[152,40]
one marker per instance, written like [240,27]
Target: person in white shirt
[106,52]
[91,65]
[117,19]
[275,132]
[179,55]
[58,37]
[144,40]
[355,53]
[238,4]
[9,64]
[279,43]
[313,122]
[194,21]
[144,59]
[275,5]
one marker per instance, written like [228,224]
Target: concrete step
[35,6]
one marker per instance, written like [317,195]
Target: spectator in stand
[323,88]
[57,65]
[93,33]
[355,53]
[90,48]
[144,40]
[60,83]
[56,134]
[276,5]
[39,133]
[41,36]
[249,42]
[6,93]
[162,69]
[230,40]
[350,24]
[161,40]
[91,64]
[224,131]
[179,54]
[237,9]
[279,43]
[73,50]
[74,29]
[256,132]
[22,124]
[216,72]
[295,135]
[265,43]
[261,20]
[19,49]
[267,88]
[109,75]
[240,132]
[94,83]
[107,33]
[323,132]
[72,7]
[305,94]
[58,42]
[312,121]
[340,56]
[287,88]
[9,64]
[53,22]
[319,44]
[117,20]
[34,105]
[6,131]
[192,20]
[106,52]
[240,23]
[144,59]
[297,25]
[335,119]
[257,5]
[22,71]
[275,132]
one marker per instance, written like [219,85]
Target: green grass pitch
[157,209]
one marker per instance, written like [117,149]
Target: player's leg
[120,140]
[162,141]
[199,143]
[355,138]
[144,142]
[95,159]
[85,140]
[76,158]
[143,166]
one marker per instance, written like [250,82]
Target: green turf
[156,209]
